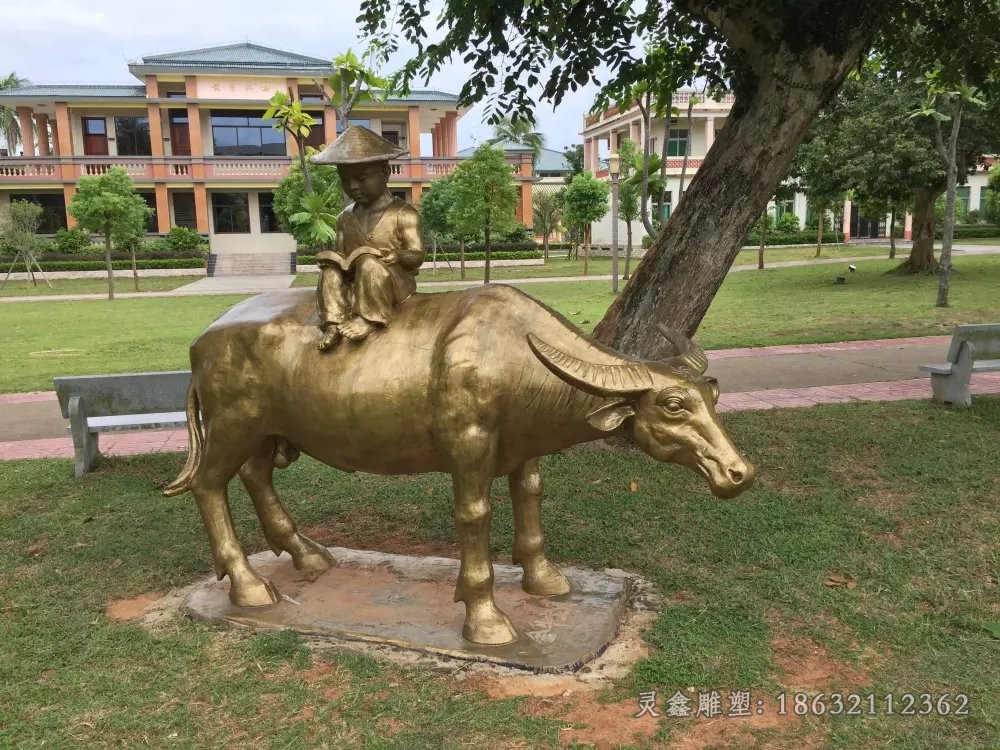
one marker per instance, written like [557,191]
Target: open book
[331,256]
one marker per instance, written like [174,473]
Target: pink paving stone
[27,398]
[767,351]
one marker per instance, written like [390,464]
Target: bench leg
[951,389]
[85,447]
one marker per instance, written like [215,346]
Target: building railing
[182,168]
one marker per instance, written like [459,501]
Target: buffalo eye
[674,405]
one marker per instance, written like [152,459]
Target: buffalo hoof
[255,592]
[309,556]
[544,579]
[489,628]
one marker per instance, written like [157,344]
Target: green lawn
[860,490]
[96,286]
[980,241]
[775,306]
[559,266]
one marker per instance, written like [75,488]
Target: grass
[753,308]
[96,285]
[558,265]
[866,490]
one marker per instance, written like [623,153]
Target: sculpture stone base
[406,602]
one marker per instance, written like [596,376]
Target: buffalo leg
[541,577]
[279,528]
[484,622]
[210,487]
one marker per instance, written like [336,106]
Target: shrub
[793,238]
[99,265]
[73,240]
[787,223]
[970,218]
[970,231]
[519,233]
[182,239]
[647,242]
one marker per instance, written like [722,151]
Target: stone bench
[114,403]
[974,348]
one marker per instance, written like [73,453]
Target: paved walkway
[753,378]
[257,284]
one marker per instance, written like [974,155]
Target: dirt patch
[125,610]
[389,727]
[806,665]
[339,534]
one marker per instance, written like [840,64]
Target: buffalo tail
[196,441]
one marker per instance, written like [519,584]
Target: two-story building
[603,133]
[192,137]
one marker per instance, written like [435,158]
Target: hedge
[99,256]
[971,231]
[795,238]
[118,265]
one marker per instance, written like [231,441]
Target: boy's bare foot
[330,338]
[356,329]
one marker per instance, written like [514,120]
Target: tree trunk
[763,240]
[667,111]
[921,258]
[486,268]
[819,232]
[461,258]
[644,197]
[892,234]
[306,176]
[686,266]
[586,249]
[628,248]
[107,259]
[135,267]
[951,162]
[687,150]
[545,247]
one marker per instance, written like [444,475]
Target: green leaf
[993,628]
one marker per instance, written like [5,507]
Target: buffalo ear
[610,416]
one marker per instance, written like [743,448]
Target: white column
[709,132]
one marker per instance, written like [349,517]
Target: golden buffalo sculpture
[477,383]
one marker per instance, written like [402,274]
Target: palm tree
[10,128]
[522,133]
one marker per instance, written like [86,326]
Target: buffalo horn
[686,351]
[617,379]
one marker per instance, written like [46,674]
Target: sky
[72,41]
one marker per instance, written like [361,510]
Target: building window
[392,136]
[184,210]
[150,198]
[268,221]
[317,136]
[53,209]
[132,134]
[176,95]
[962,195]
[663,211]
[785,206]
[231,213]
[364,123]
[236,133]
[401,194]
[677,145]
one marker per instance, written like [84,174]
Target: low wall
[442,266]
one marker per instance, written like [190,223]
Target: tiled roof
[425,95]
[549,160]
[76,91]
[244,55]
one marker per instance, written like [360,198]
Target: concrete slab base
[406,602]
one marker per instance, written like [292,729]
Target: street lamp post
[614,165]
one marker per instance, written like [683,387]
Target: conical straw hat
[358,145]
